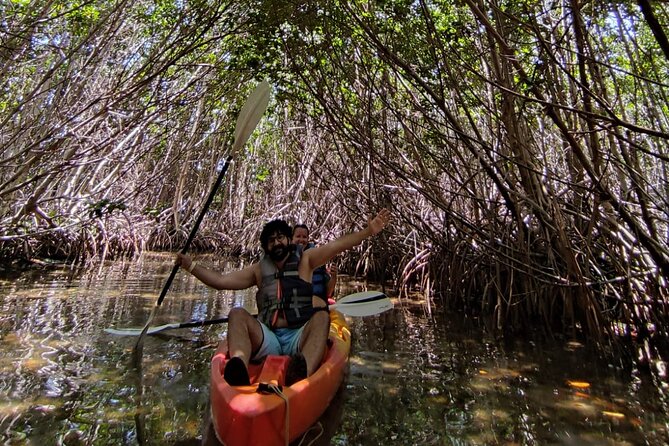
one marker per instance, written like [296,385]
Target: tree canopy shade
[521,144]
[102,102]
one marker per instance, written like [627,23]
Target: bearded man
[291,320]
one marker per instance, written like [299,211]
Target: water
[413,379]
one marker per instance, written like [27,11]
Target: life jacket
[284,292]
[320,279]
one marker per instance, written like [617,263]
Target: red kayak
[261,414]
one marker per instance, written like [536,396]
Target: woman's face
[301,237]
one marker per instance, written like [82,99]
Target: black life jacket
[284,292]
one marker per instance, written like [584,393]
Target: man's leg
[313,339]
[244,337]
[244,334]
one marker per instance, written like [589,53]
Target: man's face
[277,246]
[301,237]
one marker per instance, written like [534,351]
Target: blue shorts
[282,341]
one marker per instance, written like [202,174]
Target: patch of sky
[221,163]
[317,39]
[61,40]
[48,101]
[39,41]
[286,29]
[131,59]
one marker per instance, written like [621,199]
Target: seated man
[288,323]
[324,281]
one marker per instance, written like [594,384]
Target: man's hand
[379,222]
[320,255]
[183,261]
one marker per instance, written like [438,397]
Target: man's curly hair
[274,227]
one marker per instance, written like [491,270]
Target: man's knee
[321,318]
[238,315]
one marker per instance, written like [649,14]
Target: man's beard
[278,252]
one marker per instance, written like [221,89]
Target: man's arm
[322,254]
[332,283]
[235,280]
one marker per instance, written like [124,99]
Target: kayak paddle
[247,121]
[366,303]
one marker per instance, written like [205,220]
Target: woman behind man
[324,281]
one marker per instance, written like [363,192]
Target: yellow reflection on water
[33,364]
[484,417]
[499,373]
[579,405]
[9,408]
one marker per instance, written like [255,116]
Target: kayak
[261,414]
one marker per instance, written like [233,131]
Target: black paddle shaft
[223,320]
[193,231]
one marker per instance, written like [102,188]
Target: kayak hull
[245,416]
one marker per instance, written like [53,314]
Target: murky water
[413,379]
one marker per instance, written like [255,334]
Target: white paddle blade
[138,331]
[250,114]
[364,308]
[366,303]
[126,331]
[368,296]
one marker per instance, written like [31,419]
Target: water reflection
[413,379]
[444,383]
